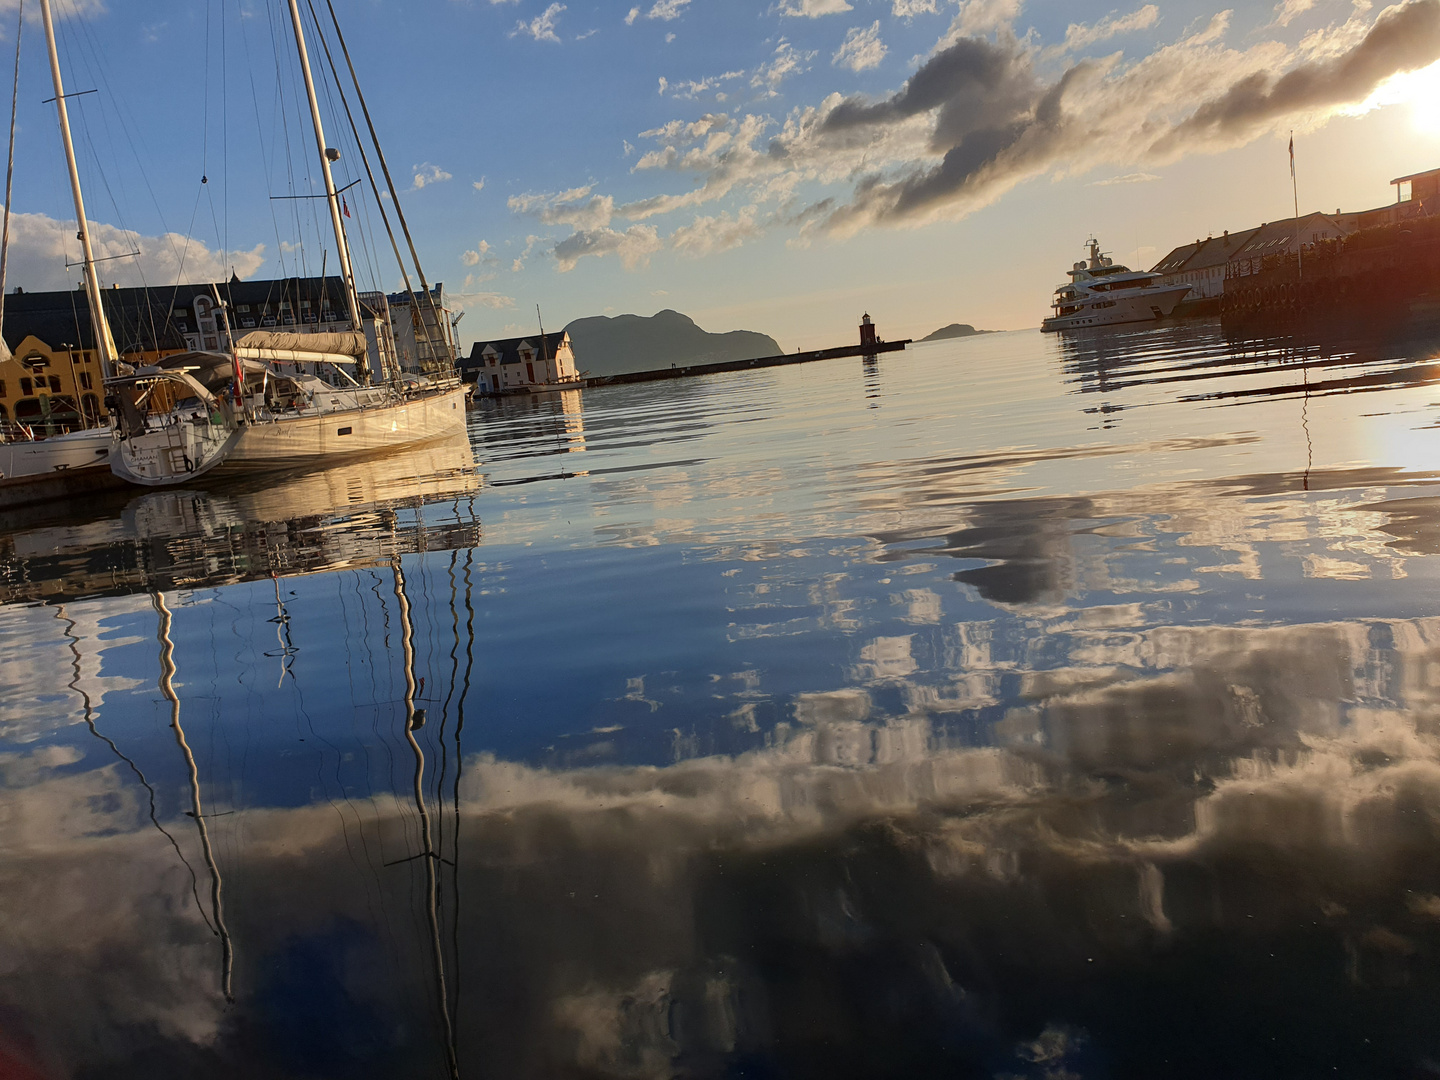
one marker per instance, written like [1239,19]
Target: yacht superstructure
[1100,293]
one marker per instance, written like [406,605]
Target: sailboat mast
[331,195]
[104,342]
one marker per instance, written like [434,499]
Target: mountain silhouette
[612,346]
[954,330]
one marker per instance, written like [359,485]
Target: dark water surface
[1010,707]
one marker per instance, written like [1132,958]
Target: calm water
[1009,707]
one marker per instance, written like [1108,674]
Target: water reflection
[947,739]
[1202,362]
[358,514]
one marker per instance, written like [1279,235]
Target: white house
[540,361]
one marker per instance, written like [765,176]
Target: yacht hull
[1147,305]
[308,440]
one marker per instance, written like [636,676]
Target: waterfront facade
[520,364]
[54,377]
[1206,265]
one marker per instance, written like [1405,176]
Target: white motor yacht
[1099,293]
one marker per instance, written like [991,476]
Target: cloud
[1404,38]
[542,27]
[1080,36]
[664,10]
[982,114]
[576,207]
[478,185]
[1287,11]
[861,49]
[427,174]
[979,17]
[587,34]
[40,246]
[813,9]
[690,89]
[1128,178]
[784,62]
[634,246]
[908,9]
[708,235]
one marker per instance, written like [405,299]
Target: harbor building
[54,379]
[538,361]
[1206,265]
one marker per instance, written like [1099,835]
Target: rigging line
[449,693]
[225,129]
[282,109]
[459,767]
[167,688]
[431,912]
[74,684]
[89,46]
[260,137]
[344,164]
[365,160]
[10,181]
[385,168]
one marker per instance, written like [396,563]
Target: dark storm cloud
[1404,38]
[996,123]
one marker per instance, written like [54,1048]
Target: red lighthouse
[867,331]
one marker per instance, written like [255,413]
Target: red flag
[346,206]
[1292,156]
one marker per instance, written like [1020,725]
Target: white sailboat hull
[72,452]
[307,440]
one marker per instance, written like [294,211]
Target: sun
[1420,90]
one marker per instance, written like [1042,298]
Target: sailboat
[65,464]
[275,400]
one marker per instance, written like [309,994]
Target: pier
[783,360]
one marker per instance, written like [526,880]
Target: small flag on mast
[346,206]
[1292,155]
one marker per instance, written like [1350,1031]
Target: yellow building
[50,389]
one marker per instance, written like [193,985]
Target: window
[3,414]
[91,405]
[85,381]
[54,384]
[26,387]
[244,307]
[2,387]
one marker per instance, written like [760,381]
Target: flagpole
[1295,192]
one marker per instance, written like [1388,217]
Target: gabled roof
[1177,259]
[508,349]
[157,319]
[1275,237]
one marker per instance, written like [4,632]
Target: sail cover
[342,342]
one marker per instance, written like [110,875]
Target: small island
[955,330]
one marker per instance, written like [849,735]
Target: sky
[776,165]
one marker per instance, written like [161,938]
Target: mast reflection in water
[973,734]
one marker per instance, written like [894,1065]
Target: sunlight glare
[1418,89]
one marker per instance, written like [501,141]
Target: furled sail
[332,347]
